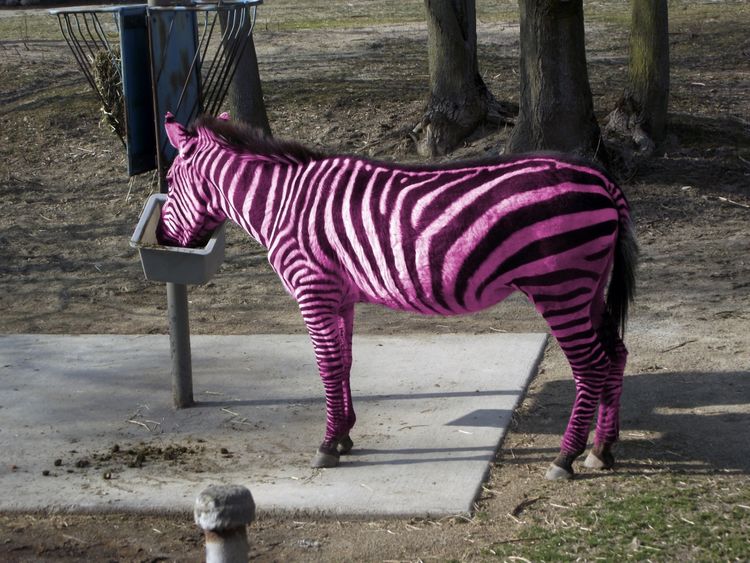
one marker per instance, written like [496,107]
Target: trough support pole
[177,300]
[179,340]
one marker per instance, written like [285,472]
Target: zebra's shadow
[694,422]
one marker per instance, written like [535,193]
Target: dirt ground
[66,267]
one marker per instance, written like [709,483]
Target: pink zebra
[436,240]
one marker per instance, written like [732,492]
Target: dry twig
[680,345]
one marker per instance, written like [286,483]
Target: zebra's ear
[176,133]
[224,116]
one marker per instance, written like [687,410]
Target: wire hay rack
[143,61]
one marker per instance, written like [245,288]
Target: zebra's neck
[253,191]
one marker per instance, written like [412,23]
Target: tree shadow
[703,150]
[701,422]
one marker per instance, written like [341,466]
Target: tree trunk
[556,107]
[459,99]
[245,94]
[641,112]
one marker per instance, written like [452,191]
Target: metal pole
[179,341]
[177,300]
[179,335]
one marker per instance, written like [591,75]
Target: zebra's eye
[170,177]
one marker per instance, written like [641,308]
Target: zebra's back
[456,239]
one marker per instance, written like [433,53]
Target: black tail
[622,284]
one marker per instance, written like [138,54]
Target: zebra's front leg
[324,328]
[346,330]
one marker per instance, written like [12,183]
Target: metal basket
[143,61]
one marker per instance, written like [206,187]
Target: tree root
[447,123]
[624,125]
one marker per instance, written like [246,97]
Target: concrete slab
[431,410]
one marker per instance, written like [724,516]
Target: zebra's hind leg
[589,383]
[572,324]
[600,457]
[608,422]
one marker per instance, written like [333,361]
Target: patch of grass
[663,519]
[287,15]
[322,14]
[692,11]
[23,26]
[283,15]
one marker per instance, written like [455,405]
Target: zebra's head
[188,217]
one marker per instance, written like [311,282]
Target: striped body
[433,240]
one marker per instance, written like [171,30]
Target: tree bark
[459,99]
[641,112]
[556,106]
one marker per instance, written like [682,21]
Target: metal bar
[197,67]
[238,47]
[229,22]
[194,63]
[242,45]
[228,44]
[179,341]
[177,301]
[100,33]
[92,53]
[165,49]
[205,41]
[78,54]
[66,33]
[210,79]
[224,54]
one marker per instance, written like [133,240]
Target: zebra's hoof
[593,461]
[345,445]
[324,460]
[557,473]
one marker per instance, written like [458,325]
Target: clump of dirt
[195,457]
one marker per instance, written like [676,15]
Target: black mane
[245,137]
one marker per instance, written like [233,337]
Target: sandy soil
[66,267]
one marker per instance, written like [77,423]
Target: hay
[108,80]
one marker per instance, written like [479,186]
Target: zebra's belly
[413,298]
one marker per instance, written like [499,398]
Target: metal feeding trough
[174,264]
